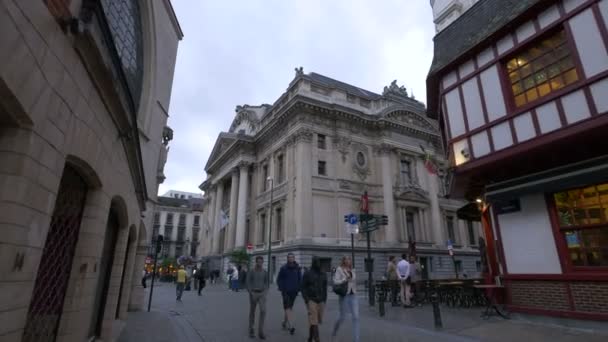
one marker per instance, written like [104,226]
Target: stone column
[390,231]
[216,221]
[242,205]
[234,192]
[438,236]
[303,202]
[210,217]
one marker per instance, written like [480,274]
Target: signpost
[352,228]
[369,224]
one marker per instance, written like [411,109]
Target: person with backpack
[314,291]
[289,281]
[345,287]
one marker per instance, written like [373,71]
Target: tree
[240,257]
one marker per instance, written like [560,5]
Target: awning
[469,212]
[591,171]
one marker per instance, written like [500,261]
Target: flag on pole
[429,164]
[223,219]
[364,203]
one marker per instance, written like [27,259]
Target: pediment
[221,145]
[411,193]
[245,120]
[402,116]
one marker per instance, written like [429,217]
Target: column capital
[304,135]
[384,149]
[243,164]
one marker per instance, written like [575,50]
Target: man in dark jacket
[314,291]
[201,276]
[289,281]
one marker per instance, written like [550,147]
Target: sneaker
[251,333]
[284,325]
[262,336]
[292,330]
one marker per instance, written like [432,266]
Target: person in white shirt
[349,302]
[403,271]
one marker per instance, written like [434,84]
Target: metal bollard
[381,300]
[436,311]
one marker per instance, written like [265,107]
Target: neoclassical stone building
[323,143]
[84,93]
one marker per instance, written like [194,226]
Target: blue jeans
[349,303]
[180,290]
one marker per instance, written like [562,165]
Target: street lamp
[271,181]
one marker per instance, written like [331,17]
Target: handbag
[341,289]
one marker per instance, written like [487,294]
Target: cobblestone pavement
[220,315]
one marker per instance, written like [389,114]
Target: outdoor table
[491,300]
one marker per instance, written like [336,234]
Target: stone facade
[179,221]
[323,143]
[81,151]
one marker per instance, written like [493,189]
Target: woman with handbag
[345,287]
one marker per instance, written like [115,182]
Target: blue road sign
[352,219]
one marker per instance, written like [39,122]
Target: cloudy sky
[239,52]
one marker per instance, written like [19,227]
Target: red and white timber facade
[520,89]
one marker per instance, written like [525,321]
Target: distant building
[178,220]
[323,143]
[520,89]
[182,194]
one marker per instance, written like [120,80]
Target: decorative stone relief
[402,116]
[361,165]
[342,144]
[299,71]
[395,89]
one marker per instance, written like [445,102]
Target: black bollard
[381,300]
[436,311]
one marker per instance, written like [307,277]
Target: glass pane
[525,70]
[571,76]
[540,77]
[588,247]
[517,88]
[557,83]
[553,70]
[514,76]
[512,64]
[544,89]
[566,64]
[536,51]
[529,83]
[520,100]
[532,94]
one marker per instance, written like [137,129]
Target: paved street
[221,316]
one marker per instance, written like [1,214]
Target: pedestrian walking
[257,286]
[393,279]
[403,271]
[230,273]
[345,274]
[415,280]
[201,278]
[143,278]
[234,283]
[181,282]
[314,291]
[289,281]
[242,277]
